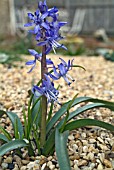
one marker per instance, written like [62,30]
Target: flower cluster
[46,28]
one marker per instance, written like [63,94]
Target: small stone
[30,165]
[75,147]
[8,159]
[100,140]
[85,149]
[90,156]
[103,147]
[76,167]
[100,167]
[49,163]
[83,135]
[36,167]
[43,166]
[92,140]
[92,165]
[107,163]
[18,160]
[82,163]
[7,105]
[75,157]
[16,167]
[52,167]
[71,137]
[102,157]
[25,162]
[4,165]
[23,168]
[49,158]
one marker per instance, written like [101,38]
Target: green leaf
[3,138]
[5,133]
[61,150]
[36,112]
[14,117]
[62,110]
[11,146]
[78,100]
[79,67]
[88,122]
[80,111]
[50,141]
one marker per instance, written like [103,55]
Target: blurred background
[90,28]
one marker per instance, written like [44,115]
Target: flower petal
[31,16]
[28,24]
[31,62]
[32,52]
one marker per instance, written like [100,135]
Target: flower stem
[43,101]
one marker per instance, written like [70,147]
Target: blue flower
[52,36]
[47,89]
[38,21]
[36,57]
[63,69]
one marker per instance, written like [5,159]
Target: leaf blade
[11,146]
[61,150]
[88,122]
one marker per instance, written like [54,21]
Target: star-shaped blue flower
[47,89]
[63,69]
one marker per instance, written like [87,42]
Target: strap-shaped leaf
[14,117]
[50,141]
[61,150]
[6,133]
[11,146]
[62,110]
[88,122]
[3,138]
[78,100]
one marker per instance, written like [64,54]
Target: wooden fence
[99,14]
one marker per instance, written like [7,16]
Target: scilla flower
[62,71]
[47,89]
[37,57]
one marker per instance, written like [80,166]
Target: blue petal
[32,52]
[55,72]
[42,43]
[28,24]
[64,62]
[64,47]
[53,77]
[44,15]
[62,69]
[66,79]
[48,49]
[31,16]
[31,31]
[49,62]
[36,29]
[61,24]
[31,62]
[53,10]
[45,25]
[39,89]
[37,12]
[32,68]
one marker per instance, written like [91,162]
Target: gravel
[90,148]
